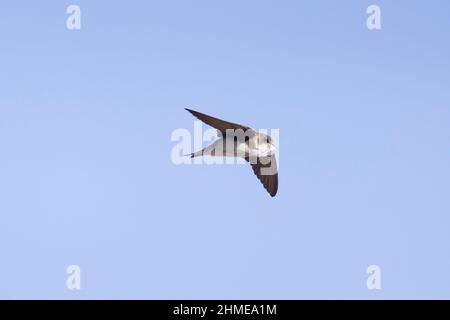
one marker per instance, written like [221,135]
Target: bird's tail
[195,154]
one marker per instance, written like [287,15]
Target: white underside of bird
[229,147]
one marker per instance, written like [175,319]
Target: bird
[236,140]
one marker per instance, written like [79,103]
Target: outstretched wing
[265,168]
[220,125]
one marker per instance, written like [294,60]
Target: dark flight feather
[265,169]
[220,125]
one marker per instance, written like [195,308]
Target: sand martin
[236,140]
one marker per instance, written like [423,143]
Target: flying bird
[236,140]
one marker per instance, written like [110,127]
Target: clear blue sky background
[85,170]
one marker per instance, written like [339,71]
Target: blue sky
[86,176]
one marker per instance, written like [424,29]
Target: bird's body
[241,141]
[229,146]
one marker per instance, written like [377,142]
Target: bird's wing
[266,170]
[221,125]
